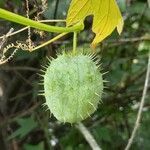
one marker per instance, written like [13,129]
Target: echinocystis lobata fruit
[72,87]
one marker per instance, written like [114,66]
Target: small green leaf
[39,146]
[145,45]
[26,126]
[123,5]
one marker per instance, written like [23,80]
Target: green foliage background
[25,124]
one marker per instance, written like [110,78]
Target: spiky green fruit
[72,87]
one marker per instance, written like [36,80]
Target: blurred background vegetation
[25,125]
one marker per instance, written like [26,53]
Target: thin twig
[4,38]
[13,33]
[29,29]
[137,123]
[20,68]
[9,58]
[50,41]
[88,136]
[15,144]
[44,6]
[56,9]
[23,113]
[148,1]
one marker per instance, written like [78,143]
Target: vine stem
[25,28]
[7,15]
[88,136]
[137,123]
